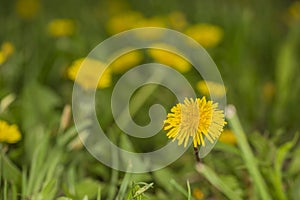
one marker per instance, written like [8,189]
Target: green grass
[259,63]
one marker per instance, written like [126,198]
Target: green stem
[247,153]
[180,189]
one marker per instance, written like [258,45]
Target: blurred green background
[256,46]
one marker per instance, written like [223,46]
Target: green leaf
[294,190]
[293,168]
[39,102]
[281,156]
[9,170]
[217,182]
[123,186]
[179,188]
[38,113]
[162,177]
[227,148]
[143,189]
[87,187]
[125,143]
[263,147]
[63,198]
[50,189]
[233,183]
[132,191]
[137,192]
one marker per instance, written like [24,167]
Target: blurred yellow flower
[168,58]
[198,194]
[27,9]
[228,137]
[61,27]
[205,34]
[123,22]
[177,20]
[294,11]
[2,58]
[193,119]
[217,89]
[269,91]
[150,22]
[126,61]
[9,133]
[130,19]
[116,6]
[7,49]
[90,72]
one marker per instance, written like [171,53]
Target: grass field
[255,45]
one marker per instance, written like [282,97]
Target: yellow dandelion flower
[177,20]
[90,70]
[123,22]
[228,137]
[9,133]
[168,58]
[294,11]
[126,61]
[61,27]
[116,7]
[150,22]
[217,89]
[195,119]
[205,34]
[198,194]
[2,58]
[27,9]
[7,48]
[269,91]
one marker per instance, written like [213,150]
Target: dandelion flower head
[207,35]
[61,27]
[27,9]
[151,22]
[126,61]
[294,11]
[177,20]
[7,49]
[169,58]
[228,137]
[123,21]
[89,74]
[269,91]
[198,194]
[9,133]
[195,119]
[216,89]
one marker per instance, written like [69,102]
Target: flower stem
[247,153]
[196,151]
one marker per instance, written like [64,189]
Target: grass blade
[189,190]
[123,187]
[215,180]
[247,153]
